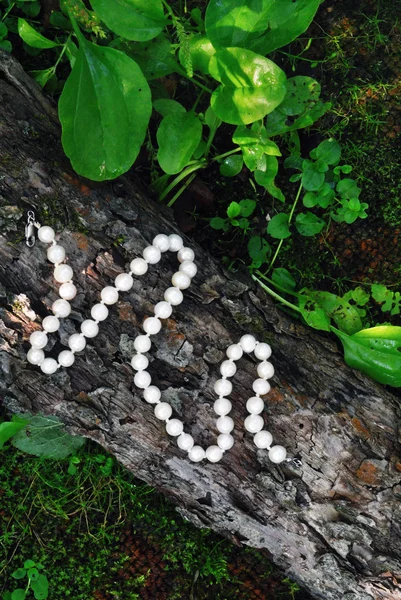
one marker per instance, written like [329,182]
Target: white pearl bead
[46,234]
[152,394]
[99,312]
[38,339]
[254,423]
[142,343]
[262,351]
[255,405]
[77,342]
[35,356]
[173,296]
[63,273]
[185,441]
[49,366]
[139,362]
[263,439]
[174,427]
[152,325]
[162,242]
[265,370]
[142,379]
[163,411]
[176,242]
[214,454]
[66,358]
[50,324]
[247,343]
[261,386]
[222,406]
[234,352]
[68,291]
[109,295]
[189,268]
[56,254]
[186,254]
[225,441]
[180,280]
[138,266]
[89,328]
[123,282]
[163,310]
[151,254]
[228,368]
[61,308]
[277,454]
[223,387]
[196,454]
[225,424]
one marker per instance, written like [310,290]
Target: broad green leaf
[254,157]
[18,594]
[30,8]
[348,188]
[139,20]
[376,352]
[287,20]
[40,587]
[309,200]
[231,165]
[33,574]
[308,224]
[28,564]
[8,429]
[243,136]
[329,151]
[6,45]
[345,316]
[19,574]
[278,226]
[270,171]
[178,137]
[236,22]
[252,86]
[166,107]
[284,279]
[3,30]
[46,437]
[210,119]
[233,210]
[313,314]
[302,92]
[104,110]
[71,51]
[312,179]
[218,223]
[247,207]
[57,19]
[202,50]
[32,37]
[155,57]
[259,249]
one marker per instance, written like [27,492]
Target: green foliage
[36,582]
[32,37]
[178,136]
[46,437]
[139,20]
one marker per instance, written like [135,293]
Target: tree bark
[333,522]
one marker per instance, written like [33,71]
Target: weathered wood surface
[333,523]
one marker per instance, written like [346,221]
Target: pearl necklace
[173,296]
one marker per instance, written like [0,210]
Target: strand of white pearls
[173,296]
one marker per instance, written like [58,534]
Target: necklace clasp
[30,229]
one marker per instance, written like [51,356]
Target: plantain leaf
[287,20]
[252,86]
[104,111]
[32,37]
[178,137]
[374,351]
[139,20]
[236,22]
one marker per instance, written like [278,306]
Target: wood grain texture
[333,524]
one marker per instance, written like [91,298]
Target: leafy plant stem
[210,139]
[226,154]
[190,169]
[9,9]
[289,221]
[61,53]
[275,295]
[263,276]
[182,188]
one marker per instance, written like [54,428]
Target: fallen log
[331,519]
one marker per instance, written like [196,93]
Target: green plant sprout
[36,582]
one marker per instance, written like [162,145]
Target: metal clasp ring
[30,229]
